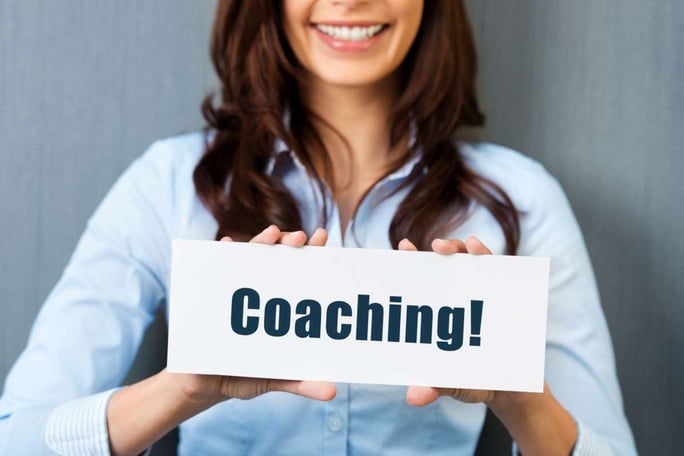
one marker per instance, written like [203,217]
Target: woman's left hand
[423,395]
[537,422]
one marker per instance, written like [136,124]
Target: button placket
[337,422]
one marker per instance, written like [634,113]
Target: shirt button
[334,423]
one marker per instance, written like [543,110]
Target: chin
[338,75]
[351,81]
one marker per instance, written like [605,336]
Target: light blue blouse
[90,327]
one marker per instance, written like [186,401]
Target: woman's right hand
[139,415]
[211,389]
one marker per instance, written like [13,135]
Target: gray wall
[592,89]
[595,90]
[85,86]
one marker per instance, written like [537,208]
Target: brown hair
[259,83]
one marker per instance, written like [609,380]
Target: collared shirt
[89,329]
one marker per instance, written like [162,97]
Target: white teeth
[350,33]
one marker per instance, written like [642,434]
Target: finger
[226,239]
[319,238]
[407,245]
[476,247]
[269,236]
[293,239]
[320,391]
[420,396]
[448,246]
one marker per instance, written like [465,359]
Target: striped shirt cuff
[587,444]
[79,427]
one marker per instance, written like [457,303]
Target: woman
[334,127]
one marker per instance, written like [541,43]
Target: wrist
[521,405]
[538,423]
[195,392]
[140,414]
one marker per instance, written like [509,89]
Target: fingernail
[442,241]
[296,233]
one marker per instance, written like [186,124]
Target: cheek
[407,7]
[411,14]
[295,20]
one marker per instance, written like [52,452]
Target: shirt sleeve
[89,329]
[580,366]
[79,427]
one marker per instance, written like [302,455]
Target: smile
[355,33]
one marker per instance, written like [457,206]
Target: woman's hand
[423,395]
[210,389]
[141,414]
[537,422]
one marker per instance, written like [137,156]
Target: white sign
[358,315]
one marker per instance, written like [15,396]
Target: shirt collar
[280,149]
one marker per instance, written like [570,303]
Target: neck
[358,144]
[361,116]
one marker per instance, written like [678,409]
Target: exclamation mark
[475,322]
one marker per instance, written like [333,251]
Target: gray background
[592,89]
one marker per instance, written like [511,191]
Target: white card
[358,315]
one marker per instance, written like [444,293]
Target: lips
[350,36]
[349,33]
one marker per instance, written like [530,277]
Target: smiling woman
[335,125]
[349,117]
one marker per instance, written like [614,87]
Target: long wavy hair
[261,82]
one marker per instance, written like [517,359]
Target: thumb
[318,390]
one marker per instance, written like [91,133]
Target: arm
[88,330]
[90,327]
[580,365]
[581,407]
